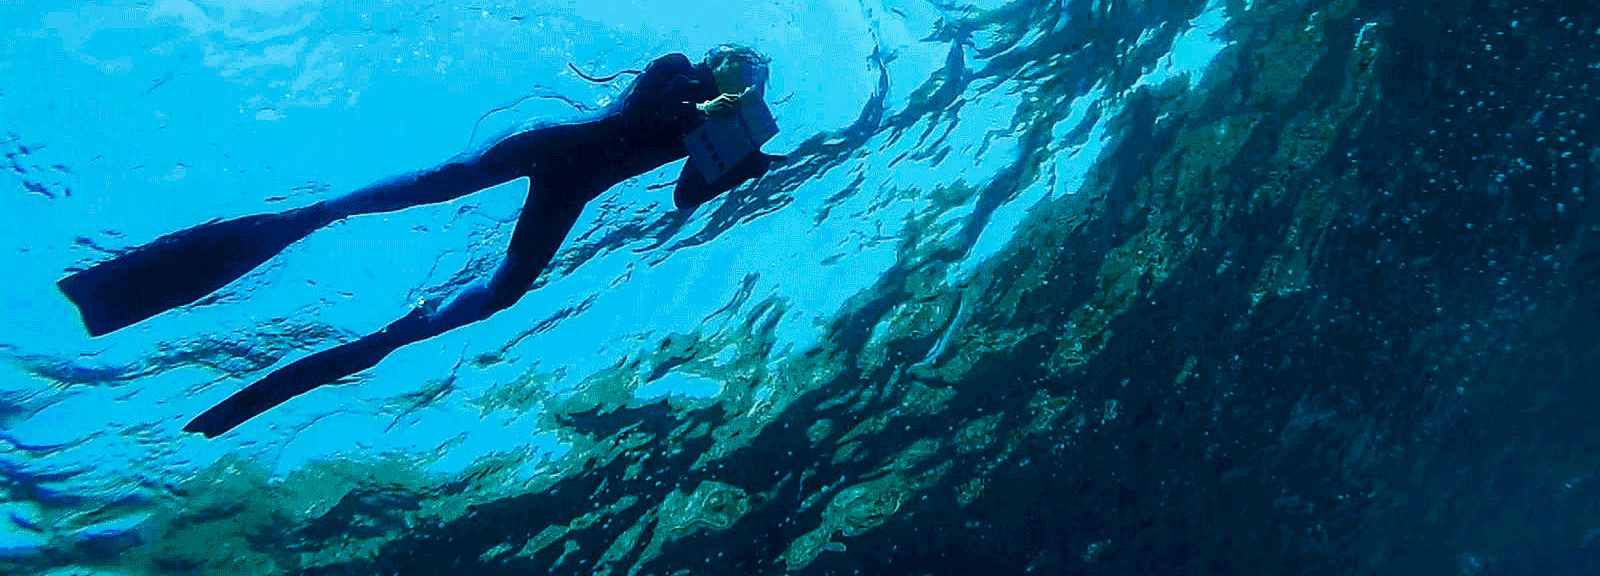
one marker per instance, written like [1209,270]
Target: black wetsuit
[642,131]
[567,164]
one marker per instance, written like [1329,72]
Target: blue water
[971,128]
[138,119]
[146,119]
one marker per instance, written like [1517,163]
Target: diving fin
[323,368]
[246,404]
[299,377]
[182,267]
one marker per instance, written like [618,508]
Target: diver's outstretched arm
[543,226]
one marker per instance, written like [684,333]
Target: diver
[674,109]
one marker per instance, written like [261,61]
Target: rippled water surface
[1052,287]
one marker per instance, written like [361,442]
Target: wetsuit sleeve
[693,190]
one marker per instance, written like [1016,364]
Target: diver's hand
[722,103]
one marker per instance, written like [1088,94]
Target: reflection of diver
[662,117]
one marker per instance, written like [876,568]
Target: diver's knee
[502,299]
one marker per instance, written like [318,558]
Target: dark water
[1331,309]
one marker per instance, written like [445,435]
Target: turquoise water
[1054,287]
[219,110]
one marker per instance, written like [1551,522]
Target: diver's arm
[667,67]
[693,190]
[666,90]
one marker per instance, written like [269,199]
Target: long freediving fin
[278,387]
[323,368]
[181,267]
[242,405]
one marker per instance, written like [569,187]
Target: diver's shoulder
[673,59]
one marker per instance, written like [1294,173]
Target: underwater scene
[822,287]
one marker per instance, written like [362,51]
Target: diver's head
[738,67]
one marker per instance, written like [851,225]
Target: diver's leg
[445,182]
[467,173]
[182,267]
[187,265]
[540,231]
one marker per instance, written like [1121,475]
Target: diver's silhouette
[567,164]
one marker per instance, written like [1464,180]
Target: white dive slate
[727,139]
